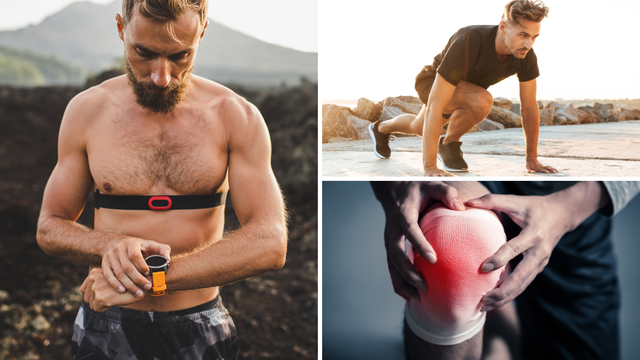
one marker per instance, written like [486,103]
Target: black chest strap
[159,202]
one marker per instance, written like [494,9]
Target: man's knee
[449,312]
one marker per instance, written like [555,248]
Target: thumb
[503,203]
[150,247]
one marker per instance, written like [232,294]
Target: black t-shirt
[470,55]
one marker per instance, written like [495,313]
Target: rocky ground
[275,313]
[342,123]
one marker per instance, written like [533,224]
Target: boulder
[367,109]
[540,105]
[336,124]
[503,103]
[553,105]
[338,139]
[389,112]
[559,120]
[546,116]
[593,115]
[516,109]
[488,125]
[570,114]
[504,117]
[612,116]
[346,110]
[406,104]
[625,114]
[361,126]
[604,109]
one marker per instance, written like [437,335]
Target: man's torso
[130,152]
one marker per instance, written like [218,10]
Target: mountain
[85,34]
[24,68]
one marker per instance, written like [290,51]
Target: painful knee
[450,310]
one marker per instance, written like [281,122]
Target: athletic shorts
[424,83]
[202,332]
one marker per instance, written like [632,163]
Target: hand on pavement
[533,165]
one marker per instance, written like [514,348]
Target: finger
[112,279]
[130,277]
[150,247]
[405,268]
[401,286]
[543,169]
[515,283]
[551,169]
[414,234]
[505,203]
[135,256]
[508,251]
[446,194]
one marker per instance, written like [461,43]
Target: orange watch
[158,266]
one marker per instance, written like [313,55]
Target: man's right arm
[64,198]
[440,96]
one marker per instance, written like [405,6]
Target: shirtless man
[160,130]
[454,89]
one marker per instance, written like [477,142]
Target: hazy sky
[370,48]
[296,26]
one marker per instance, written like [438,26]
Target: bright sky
[370,48]
[290,23]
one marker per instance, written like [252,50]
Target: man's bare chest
[138,159]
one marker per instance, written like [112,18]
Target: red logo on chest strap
[159,198]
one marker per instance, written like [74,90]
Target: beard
[147,92]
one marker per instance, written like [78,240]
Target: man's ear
[206,23]
[120,24]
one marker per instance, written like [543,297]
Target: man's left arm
[260,244]
[531,126]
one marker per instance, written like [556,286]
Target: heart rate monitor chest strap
[159,202]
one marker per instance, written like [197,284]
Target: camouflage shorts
[202,332]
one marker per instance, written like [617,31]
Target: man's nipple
[107,187]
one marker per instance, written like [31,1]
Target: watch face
[156,262]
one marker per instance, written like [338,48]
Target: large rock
[503,103]
[504,117]
[406,104]
[389,112]
[553,105]
[604,109]
[367,109]
[570,113]
[540,105]
[625,114]
[546,116]
[488,125]
[612,116]
[361,126]
[593,115]
[559,120]
[336,124]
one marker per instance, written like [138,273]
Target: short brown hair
[165,11]
[517,10]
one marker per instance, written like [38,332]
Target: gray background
[362,316]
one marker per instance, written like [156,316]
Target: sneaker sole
[448,168]
[373,137]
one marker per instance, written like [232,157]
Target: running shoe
[451,156]
[380,141]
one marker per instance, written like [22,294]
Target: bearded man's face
[160,100]
[160,58]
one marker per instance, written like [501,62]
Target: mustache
[151,86]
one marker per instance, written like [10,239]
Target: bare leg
[501,334]
[469,106]
[418,349]
[406,124]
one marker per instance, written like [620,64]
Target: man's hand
[544,220]
[434,171]
[403,202]
[124,266]
[100,295]
[533,165]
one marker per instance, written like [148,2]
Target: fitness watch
[158,266]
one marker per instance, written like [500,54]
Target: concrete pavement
[590,150]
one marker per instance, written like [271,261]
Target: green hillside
[24,68]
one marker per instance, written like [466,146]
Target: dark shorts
[424,83]
[202,332]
